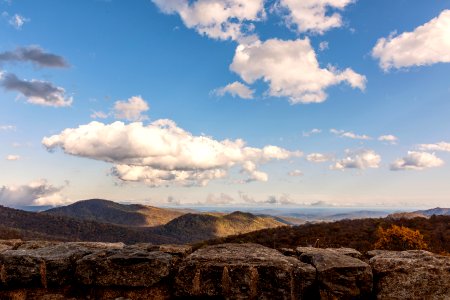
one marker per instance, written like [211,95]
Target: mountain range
[107,221]
[438,211]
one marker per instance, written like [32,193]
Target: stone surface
[29,245]
[9,244]
[348,251]
[244,271]
[124,267]
[339,276]
[373,253]
[40,267]
[414,274]
[40,270]
[177,250]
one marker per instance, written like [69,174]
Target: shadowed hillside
[197,227]
[31,225]
[116,213]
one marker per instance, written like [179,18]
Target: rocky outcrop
[244,271]
[39,270]
[411,275]
[339,274]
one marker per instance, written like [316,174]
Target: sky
[275,103]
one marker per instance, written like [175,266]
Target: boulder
[176,250]
[9,244]
[124,267]
[339,276]
[29,245]
[414,274]
[244,271]
[40,267]
[348,251]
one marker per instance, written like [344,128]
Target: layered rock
[39,270]
[339,274]
[244,271]
[414,274]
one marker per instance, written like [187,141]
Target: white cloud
[312,15]
[162,153]
[291,69]
[317,157]
[157,177]
[323,46]
[295,173]
[218,19]
[98,115]
[236,89]
[12,157]
[442,146]
[38,192]
[312,132]
[7,127]
[361,159]
[350,135]
[17,21]
[392,139]
[417,161]
[283,199]
[426,45]
[250,168]
[131,110]
[221,199]
[36,92]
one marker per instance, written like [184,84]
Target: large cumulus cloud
[291,69]
[162,153]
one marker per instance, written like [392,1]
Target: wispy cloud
[12,157]
[391,139]
[442,146]
[350,135]
[311,132]
[7,127]
[235,89]
[317,157]
[295,173]
[17,21]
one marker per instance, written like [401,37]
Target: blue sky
[342,104]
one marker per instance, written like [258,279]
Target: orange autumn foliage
[399,238]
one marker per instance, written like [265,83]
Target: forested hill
[360,234]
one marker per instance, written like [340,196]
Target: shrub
[399,238]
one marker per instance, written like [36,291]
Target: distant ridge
[106,211]
[421,213]
[438,211]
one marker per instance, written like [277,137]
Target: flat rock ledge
[40,270]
